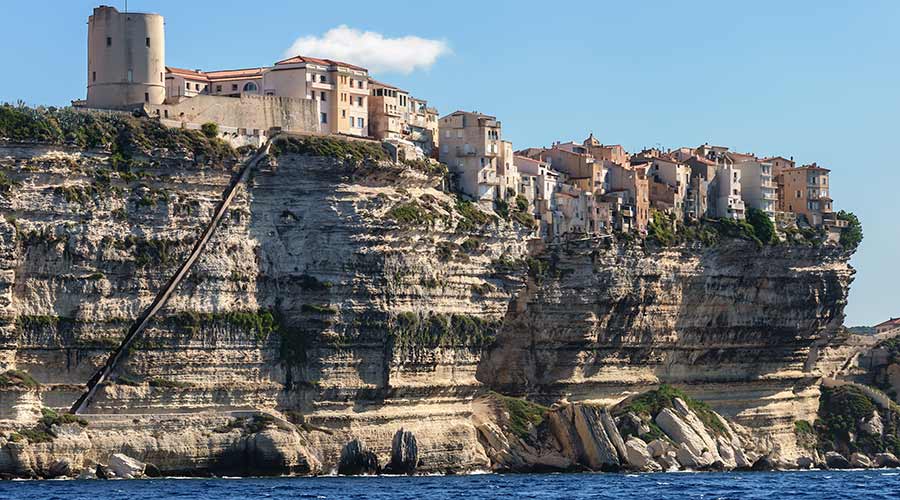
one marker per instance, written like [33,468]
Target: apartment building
[758,189]
[507,172]
[669,180]
[614,153]
[396,115]
[538,183]
[576,162]
[779,165]
[729,202]
[806,193]
[471,146]
[340,89]
[234,82]
[630,186]
[891,324]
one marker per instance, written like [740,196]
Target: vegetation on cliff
[843,424]
[354,150]
[664,230]
[44,431]
[124,135]
[524,415]
[410,330]
[648,404]
[852,235]
[17,379]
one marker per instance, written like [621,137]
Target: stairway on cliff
[163,296]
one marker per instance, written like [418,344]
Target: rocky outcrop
[348,300]
[835,460]
[404,453]
[357,459]
[125,467]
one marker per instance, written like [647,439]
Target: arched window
[250,87]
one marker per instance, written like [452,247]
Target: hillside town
[585,187]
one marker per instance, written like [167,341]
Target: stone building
[126,59]
[471,146]
[729,202]
[806,193]
[396,115]
[758,188]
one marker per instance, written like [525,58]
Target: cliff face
[351,301]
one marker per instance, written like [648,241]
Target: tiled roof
[315,60]
[373,81]
[234,74]
[890,322]
[187,73]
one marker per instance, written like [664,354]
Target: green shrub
[411,214]
[17,379]
[763,227]
[502,208]
[210,129]
[521,203]
[523,414]
[261,323]
[410,330]
[650,403]
[355,151]
[525,219]
[471,217]
[852,235]
[732,228]
[7,184]
[661,228]
[318,309]
[167,384]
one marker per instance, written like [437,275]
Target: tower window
[146,97]
[148,41]
[109,41]
[130,76]
[94,76]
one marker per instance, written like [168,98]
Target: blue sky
[817,80]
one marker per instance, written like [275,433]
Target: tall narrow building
[126,59]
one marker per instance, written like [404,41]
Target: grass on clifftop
[333,147]
[650,403]
[523,414]
[124,135]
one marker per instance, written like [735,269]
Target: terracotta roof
[373,81]
[187,73]
[890,322]
[315,60]
[234,74]
[700,159]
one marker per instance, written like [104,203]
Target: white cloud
[371,49]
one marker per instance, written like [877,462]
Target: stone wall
[249,112]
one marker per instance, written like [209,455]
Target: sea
[817,485]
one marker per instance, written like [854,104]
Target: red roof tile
[187,73]
[315,60]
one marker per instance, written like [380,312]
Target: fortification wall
[251,112]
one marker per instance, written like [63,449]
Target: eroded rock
[357,460]
[404,453]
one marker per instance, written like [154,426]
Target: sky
[816,80]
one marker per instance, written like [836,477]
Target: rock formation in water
[344,298]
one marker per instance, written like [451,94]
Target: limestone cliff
[346,299]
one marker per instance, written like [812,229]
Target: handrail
[164,294]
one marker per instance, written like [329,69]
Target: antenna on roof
[126,6]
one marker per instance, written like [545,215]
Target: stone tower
[126,59]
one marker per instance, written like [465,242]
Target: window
[187,85]
[324,117]
[344,113]
[130,76]
[323,79]
[351,82]
[359,101]
[351,121]
[146,97]
[447,134]
[109,41]
[148,41]
[233,87]
[360,84]
[322,96]
[160,77]
[166,113]
[196,86]
[361,122]
[94,76]
[218,88]
[250,87]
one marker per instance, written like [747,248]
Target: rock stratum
[353,316]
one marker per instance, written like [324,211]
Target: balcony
[321,86]
[831,220]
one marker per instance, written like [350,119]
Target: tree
[763,227]
[852,235]
[210,129]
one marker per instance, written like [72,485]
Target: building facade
[758,189]
[471,147]
[126,59]
[806,193]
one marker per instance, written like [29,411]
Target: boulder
[59,468]
[659,447]
[104,472]
[687,459]
[404,453]
[887,460]
[835,460]
[632,425]
[805,463]
[152,471]
[668,461]
[726,452]
[638,456]
[874,426]
[598,451]
[681,407]
[275,451]
[860,461]
[763,463]
[87,473]
[680,432]
[613,433]
[357,459]
[126,467]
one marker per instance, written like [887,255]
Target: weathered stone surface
[59,468]
[125,467]
[669,461]
[887,460]
[764,463]
[874,426]
[835,460]
[639,457]
[404,453]
[687,459]
[805,463]
[860,461]
[612,432]
[659,447]
[681,432]
[357,459]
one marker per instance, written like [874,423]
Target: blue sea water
[818,485]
